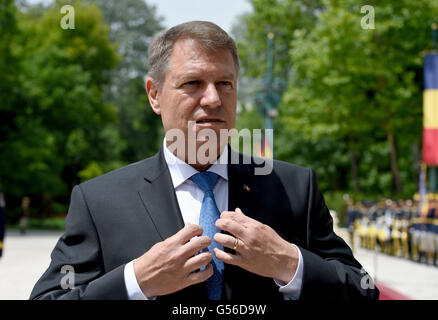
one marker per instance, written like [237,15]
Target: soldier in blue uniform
[435,234]
[415,232]
[353,214]
[432,229]
[409,213]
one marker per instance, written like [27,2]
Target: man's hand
[168,266]
[260,249]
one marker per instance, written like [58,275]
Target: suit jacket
[118,216]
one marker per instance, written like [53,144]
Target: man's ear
[153,95]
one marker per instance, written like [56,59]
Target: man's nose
[210,97]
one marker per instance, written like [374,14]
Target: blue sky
[223,12]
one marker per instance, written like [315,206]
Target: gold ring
[236,243]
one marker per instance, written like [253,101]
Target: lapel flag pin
[246,188]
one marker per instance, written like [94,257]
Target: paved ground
[27,257]
[412,279]
[417,281]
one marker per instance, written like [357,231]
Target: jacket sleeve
[330,270]
[76,270]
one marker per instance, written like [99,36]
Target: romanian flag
[430,110]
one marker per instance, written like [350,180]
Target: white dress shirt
[190,197]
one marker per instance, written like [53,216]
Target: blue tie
[207,219]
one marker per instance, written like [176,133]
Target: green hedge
[42,224]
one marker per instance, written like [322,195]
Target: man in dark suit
[146,231]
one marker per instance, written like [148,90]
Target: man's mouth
[208,120]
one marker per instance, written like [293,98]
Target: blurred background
[349,87]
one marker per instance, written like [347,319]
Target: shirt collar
[180,171]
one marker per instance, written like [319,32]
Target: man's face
[199,86]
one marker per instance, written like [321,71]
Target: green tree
[250,31]
[9,70]
[364,86]
[56,97]
[132,25]
[281,17]
[352,107]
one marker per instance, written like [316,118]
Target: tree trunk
[394,166]
[416,159]
[354,170]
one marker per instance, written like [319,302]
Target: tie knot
[205,180]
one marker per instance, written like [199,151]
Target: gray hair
[208,35]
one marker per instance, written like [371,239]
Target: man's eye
[192,83]
[226,83]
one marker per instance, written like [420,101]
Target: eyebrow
[194,75]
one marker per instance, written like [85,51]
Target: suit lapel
[242,191]
[159,198]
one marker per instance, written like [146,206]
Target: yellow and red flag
[430,110]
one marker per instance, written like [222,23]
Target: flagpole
[269,123]
[432,169]
[422,205]
[434,35]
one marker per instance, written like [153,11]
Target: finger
[227,214]
[200,276]
[228,258]
[237,216]
[231,226]
[189,231]
[195,245]
[226,240]
[198,261]
[239,213]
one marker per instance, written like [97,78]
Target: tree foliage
[55,98]
[352,108]
[73,103]
[132,24]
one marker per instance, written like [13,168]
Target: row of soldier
[400,228]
